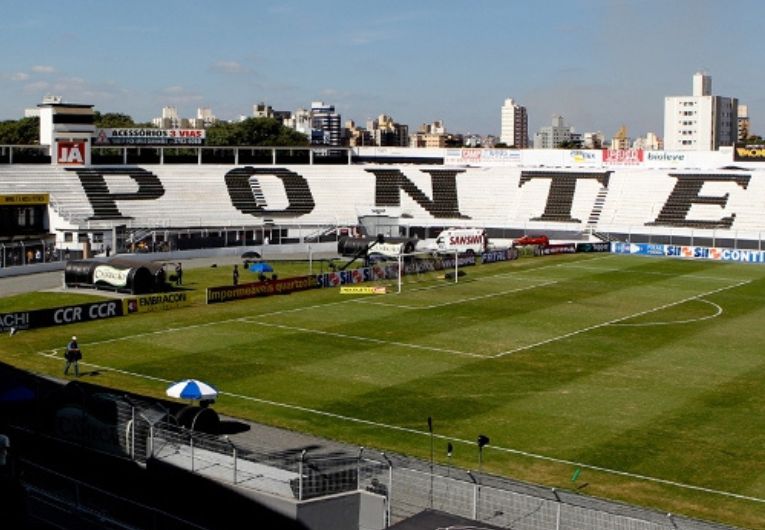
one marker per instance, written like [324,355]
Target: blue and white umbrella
[191,389]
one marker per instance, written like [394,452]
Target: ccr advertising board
[58,316]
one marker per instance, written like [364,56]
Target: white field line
[365,339]
[458,301]
[409,430]
[296,309]
[718,312]
[616,320]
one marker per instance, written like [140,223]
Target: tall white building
[169,119]
[205,118]
[553,136]
[514,125]
[701,122]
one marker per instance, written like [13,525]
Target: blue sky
[598,63]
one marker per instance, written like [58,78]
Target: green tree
[20,132]
[113,120]
[254,131]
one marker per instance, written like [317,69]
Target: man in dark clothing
[236,274]
[178,274]
[72,356]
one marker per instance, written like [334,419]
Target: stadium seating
[728,203]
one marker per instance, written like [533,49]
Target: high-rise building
[553,136]
[650,142]
[205,118]
[325,124]
[170,119]
[300,120]
[357,136]
[701,122]
[515,125]
[743,123]
[385,131]
[261,110]
[430,135]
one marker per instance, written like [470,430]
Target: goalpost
[426,266]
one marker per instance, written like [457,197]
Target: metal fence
[407,484]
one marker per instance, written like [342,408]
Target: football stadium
[516,339]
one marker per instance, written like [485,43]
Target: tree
[254,131]
[20,132]
[113,120]
[570,144]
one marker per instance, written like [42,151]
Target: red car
[532,240]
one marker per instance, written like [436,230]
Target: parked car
[541,240]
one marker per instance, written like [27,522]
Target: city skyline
[600,64]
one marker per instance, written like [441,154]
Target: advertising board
[593,247]
[24,199]
[148,136]
[226,293]
[505,254]
[749,153]
[156,302]
[691,252]
[57,316]
[565,248]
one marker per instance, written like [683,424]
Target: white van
[462,240]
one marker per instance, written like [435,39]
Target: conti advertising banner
[227,293]
[156,302]
[689,252]
[58,316]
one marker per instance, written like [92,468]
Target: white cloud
[228,67]
[38,86]
[43,69]
[177,94]
[19,76]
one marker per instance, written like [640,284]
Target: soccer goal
[423,269]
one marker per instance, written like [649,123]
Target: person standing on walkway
[73,356]
[236,275]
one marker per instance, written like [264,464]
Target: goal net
[417,270]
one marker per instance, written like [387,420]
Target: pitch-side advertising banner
[690,252]
[58,316]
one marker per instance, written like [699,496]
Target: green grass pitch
[646,373]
